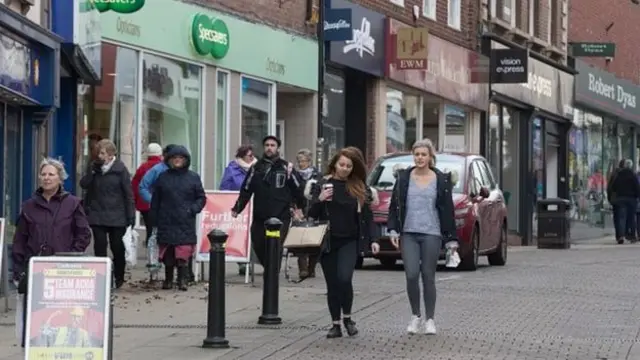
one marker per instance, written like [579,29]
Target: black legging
[338,266]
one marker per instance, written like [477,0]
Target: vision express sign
[545,87]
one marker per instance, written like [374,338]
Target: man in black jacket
[275,187]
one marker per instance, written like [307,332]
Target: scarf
[306,173]
[107,166]
[244,165]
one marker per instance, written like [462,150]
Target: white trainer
[430,327]
[415,325]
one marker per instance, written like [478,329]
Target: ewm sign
[509,66]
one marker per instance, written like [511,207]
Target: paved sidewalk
[578,304]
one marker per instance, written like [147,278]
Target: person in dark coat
[274,186]
[343,198]
[109,205]
[178,197]
[623,192]
[52,221]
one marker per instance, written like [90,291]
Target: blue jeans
[624,216]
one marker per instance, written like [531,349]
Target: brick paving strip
[579,304]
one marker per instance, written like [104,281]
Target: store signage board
[592,49]
[412,48]
[509,66]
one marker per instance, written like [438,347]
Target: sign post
[69,313]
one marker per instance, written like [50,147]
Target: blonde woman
[109,205]
[421,213]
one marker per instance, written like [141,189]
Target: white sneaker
[430,327]
[415,325]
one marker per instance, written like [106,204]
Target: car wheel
[470,261]
[499,257]
[388,262]
[359,262]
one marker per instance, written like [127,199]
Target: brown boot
[303,266]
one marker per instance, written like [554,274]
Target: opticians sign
[509,66]
[119,6]
[210,36]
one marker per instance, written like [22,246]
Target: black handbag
[44,251]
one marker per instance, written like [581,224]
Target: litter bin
[554,223]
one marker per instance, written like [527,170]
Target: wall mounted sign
[605,93]
[547,87]
[411,48]
[448,73]
[584,49]
[119,6]
[128,27]
[509,66]
[364,50]
[337,25]
[210,36]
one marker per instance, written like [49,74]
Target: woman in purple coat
[234,175]
[51,222]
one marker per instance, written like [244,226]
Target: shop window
[455,125]
[494,147]
[110,110]
[257,110]
[431,121]
[403,112]
[171,104]
[511,179]
[333,121]
[587,182]
[12,167]
[222,122]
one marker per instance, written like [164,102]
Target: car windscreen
[382,177]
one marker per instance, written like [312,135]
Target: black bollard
[271,286]
[216,303]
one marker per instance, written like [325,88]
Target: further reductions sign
[509,66]
[217,215]
[68,308]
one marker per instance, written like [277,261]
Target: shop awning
[77,63]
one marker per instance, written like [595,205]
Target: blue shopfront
[78,23]
[29,95]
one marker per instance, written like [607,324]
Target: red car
[480,209]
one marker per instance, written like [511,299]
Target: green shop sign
[119,6]
[210,36]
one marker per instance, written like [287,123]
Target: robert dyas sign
[509,66]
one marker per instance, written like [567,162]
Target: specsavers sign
[210,36]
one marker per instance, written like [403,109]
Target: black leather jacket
[444,204]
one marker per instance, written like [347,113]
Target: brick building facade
[616,22]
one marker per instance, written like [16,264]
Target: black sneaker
[334,332]
[350,325]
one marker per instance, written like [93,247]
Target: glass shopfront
[257,111]
[334,118]
[605,130]
[403,117]
[143,98]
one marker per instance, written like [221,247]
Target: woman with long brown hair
[343,199]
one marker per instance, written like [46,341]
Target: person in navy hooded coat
[178,197]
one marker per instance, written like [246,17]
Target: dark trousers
[24,319]
[624,216]
[338,266]
[112,236]
[148,227]
[258,241]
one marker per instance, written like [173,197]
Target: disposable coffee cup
[328,186]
